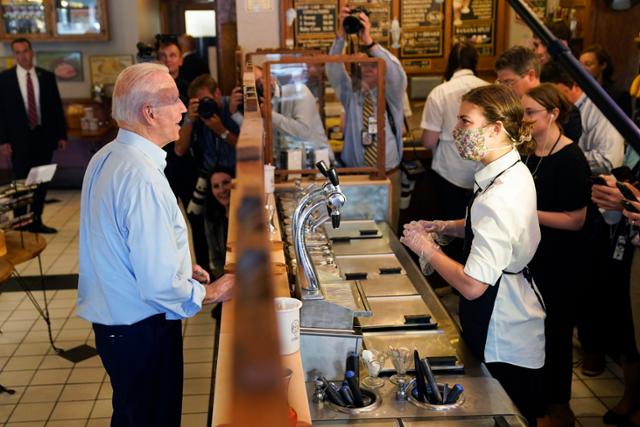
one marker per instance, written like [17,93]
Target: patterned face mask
[471,143]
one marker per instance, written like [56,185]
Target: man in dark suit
[32,121]
[192,64]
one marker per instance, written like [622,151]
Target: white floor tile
[5,412]
[32,412]
[50,376]
[102,409]
[87,391]
[71,410]
[41,393]
[21,363]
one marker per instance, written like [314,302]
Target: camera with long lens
[207,108]
[196,205]
[351,23]
[260,91]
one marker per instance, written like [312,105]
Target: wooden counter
[231,401]
[297,392]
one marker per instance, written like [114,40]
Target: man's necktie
[32,109]
[371,150]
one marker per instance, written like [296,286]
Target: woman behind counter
[501,312]
[561,176]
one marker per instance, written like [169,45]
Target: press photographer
[209,133]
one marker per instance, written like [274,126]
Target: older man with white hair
[136,278]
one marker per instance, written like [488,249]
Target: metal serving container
[365,229]
[431,344]
[484,397]
[486,421]
[387,285]
[362,423]
[389,312]
[360,246]
[361,267]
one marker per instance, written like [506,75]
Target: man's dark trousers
[36,155]
[144,363]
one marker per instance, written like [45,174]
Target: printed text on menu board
[475,21]
[380,18]
[422,23]
[314,18]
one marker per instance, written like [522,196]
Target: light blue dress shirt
[134,249]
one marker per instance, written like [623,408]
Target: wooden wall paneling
[615,31]
[227,42]
[286,32]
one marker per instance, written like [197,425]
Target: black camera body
[351,23]
[207,108]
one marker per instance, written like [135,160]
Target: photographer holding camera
[358,96]
[209,133]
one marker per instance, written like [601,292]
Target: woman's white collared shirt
[506,232]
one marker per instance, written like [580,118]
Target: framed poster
[67,66]
[6,62]
[315,23]
[104,69]
[475,21]
[422,22]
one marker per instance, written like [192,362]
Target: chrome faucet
[329,195]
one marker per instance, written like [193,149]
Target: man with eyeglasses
[358,97]
[519,69]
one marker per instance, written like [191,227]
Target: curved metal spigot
[332,197]
[302,254]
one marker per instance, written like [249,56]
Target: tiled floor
[51,391]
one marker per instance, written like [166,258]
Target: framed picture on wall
[67,66]
[6,62]
[105,68]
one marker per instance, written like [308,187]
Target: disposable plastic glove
[420,242]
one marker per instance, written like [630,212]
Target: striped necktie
[371,150]
[32,109]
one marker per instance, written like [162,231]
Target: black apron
[475,315]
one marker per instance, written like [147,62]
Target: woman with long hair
[501,311]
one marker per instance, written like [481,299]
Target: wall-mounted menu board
[475,21]
[428,28]
[315,23]
[422,23]
[380,18]
[414,66]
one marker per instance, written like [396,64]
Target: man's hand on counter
[221,290]
[200,274]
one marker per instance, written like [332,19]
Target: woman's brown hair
[501,104]
[549,97]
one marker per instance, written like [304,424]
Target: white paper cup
[288,318]
[269,178]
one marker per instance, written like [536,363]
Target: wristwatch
[224,135]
